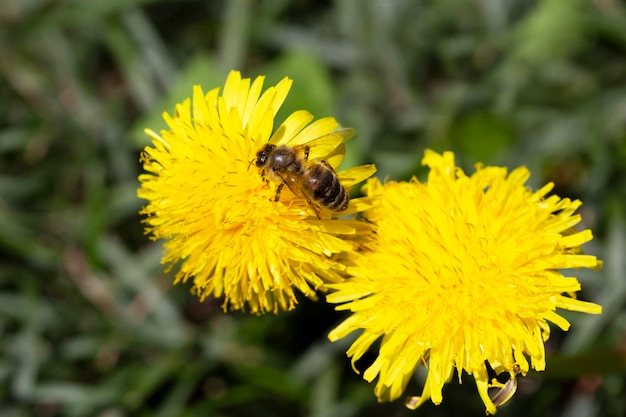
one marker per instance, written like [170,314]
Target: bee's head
[263,154]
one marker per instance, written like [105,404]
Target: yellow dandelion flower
[215,208]
[463,274]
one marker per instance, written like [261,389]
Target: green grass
[89,322]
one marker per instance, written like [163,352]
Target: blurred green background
[90,325]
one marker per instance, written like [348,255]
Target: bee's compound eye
[263,155]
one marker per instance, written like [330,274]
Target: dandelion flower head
[463,274]
[208,200]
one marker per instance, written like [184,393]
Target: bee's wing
[327,146]
[339,134]
[294,182]
[300,134]
[355,175]
[336,156]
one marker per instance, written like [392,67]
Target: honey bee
[306,176]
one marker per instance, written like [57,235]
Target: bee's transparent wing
[336,156]
[355,175]
[327,146]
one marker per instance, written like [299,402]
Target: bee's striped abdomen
[325,188]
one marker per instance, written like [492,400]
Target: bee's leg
[314,207]
[306,153]
[278,190]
